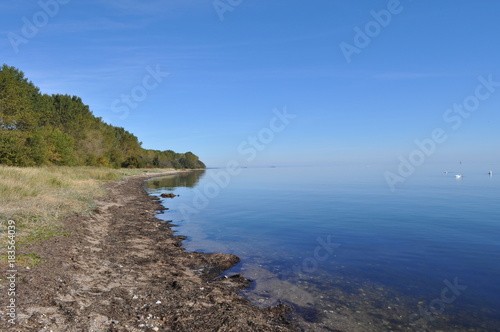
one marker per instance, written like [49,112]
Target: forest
[38,129]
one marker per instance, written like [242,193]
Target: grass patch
[37,198]
[23,260]
[29,260]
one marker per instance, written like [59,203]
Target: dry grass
[37,198]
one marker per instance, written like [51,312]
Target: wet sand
[122,269]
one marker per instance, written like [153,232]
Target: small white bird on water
[459,176]
[490,173]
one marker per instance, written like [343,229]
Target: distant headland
[37,129]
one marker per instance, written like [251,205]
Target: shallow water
[345,250]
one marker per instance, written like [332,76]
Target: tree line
[38,129]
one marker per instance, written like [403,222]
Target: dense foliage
[38,129]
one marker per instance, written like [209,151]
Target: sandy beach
[122,269]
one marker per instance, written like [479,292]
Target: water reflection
[169,182]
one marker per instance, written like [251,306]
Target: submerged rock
[169,195]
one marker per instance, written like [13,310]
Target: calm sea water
[347,252]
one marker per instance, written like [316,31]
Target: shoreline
[123,269]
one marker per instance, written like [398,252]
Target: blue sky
[232,64]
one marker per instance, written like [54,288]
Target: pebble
[158,302]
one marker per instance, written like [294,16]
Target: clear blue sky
[226,76]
